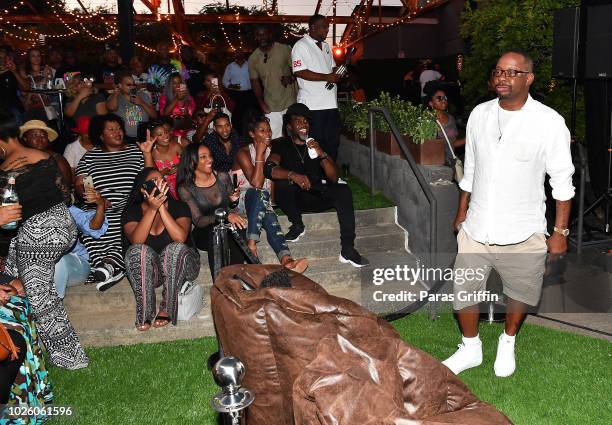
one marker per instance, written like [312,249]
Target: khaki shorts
[520,266]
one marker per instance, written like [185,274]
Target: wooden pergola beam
[349,28]
[318,8]
[405,19]
[152,5]
[191,18]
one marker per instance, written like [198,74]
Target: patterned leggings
[146,270]
[40,242]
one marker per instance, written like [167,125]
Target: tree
[495,26]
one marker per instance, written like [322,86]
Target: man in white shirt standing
[430,74]
[511,143]
[236,80]
[313,65]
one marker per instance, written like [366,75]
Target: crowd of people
[152,149]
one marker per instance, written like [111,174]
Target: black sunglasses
[441,98]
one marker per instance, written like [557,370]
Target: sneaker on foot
[295,233]
[466,357]
[340,181]
[353,258]
[505,362]
[115,275]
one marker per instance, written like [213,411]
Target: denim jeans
[260,214]
[70,270]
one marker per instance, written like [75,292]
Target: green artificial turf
[561,378]
[362,199]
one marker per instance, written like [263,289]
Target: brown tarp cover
[312,358]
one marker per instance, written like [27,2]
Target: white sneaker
[505,363]
[340,181]
[466,357]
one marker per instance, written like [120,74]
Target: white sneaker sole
[352,263]
[107,284]
[297,238]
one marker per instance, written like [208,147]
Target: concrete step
[329,220]
[326,242]
[329,272]
[103,324]
[118,327]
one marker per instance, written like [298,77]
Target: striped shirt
[113,176]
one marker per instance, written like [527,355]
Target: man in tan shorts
[511,143]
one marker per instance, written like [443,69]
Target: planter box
[429,153]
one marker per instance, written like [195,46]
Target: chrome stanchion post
[233,399]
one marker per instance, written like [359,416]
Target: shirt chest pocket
[523,149]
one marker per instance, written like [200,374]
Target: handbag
[458,165]
[190,300]
[222,109]
[7,346]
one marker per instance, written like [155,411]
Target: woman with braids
[46,230]
[160,251]
[255,194]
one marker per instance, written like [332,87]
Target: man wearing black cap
[305,180]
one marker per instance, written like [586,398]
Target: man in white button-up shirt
[512,142]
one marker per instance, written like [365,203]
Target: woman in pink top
[166,154]
[177,103]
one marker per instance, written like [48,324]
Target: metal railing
[433,202]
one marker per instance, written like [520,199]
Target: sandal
[144,327]
[161,321]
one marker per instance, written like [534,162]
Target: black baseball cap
[298,109]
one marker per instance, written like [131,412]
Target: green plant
[495,26]
[415,121]
[354,117]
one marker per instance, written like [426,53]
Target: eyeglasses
[441,98]
[265,58]
[509,73]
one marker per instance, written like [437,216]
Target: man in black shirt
[224,143]
[105,74]
[306,180]
[197,70]
[11,82]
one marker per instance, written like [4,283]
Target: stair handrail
[433,202]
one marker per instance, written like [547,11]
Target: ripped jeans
[260,214]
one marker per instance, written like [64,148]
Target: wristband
[289,174]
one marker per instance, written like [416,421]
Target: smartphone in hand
[88,183]
[150,187]
[235,181]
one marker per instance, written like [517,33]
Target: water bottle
[312,152]
[8,198]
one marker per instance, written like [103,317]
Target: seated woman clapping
[160,252]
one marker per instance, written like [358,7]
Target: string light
[269,12]
[226,37]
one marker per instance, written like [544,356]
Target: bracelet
[289,174]
[256,162]
[324,157]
